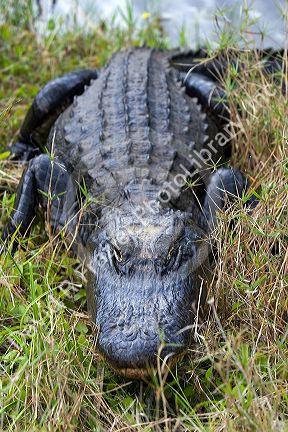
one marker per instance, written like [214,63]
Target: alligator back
[134,128]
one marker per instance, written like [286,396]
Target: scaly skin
[131,133]
[136,130]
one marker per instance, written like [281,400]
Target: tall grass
[235,378]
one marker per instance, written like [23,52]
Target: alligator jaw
[141,374]
[145,374]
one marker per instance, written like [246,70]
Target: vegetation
[236,377]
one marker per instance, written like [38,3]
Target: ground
[235,377]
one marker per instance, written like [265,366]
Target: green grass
[236,377]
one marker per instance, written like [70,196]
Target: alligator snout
[137,347]
[142,318]
[146,323]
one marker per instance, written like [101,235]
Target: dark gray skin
[128,135]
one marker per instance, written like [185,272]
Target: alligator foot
[22,152]
[45,182]
[210,94]
[225,185]
[204,77]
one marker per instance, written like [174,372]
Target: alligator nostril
[129,312]
[131,336]
[150,334]
[121,324]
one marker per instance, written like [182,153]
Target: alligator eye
[117,254]
[173,258]
[170,253]
[170,256]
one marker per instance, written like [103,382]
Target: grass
[236,378]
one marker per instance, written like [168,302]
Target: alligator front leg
[44,183]
[49,103]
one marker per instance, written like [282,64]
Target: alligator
[129,163]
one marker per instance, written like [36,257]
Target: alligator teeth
[203,116]
[195,100]
[205,138]
[86,87]
[129,145]
[68,139]
[186,129]
[193,306]
[169,139]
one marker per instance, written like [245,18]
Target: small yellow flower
[146,15]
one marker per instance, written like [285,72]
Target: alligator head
[147,277]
